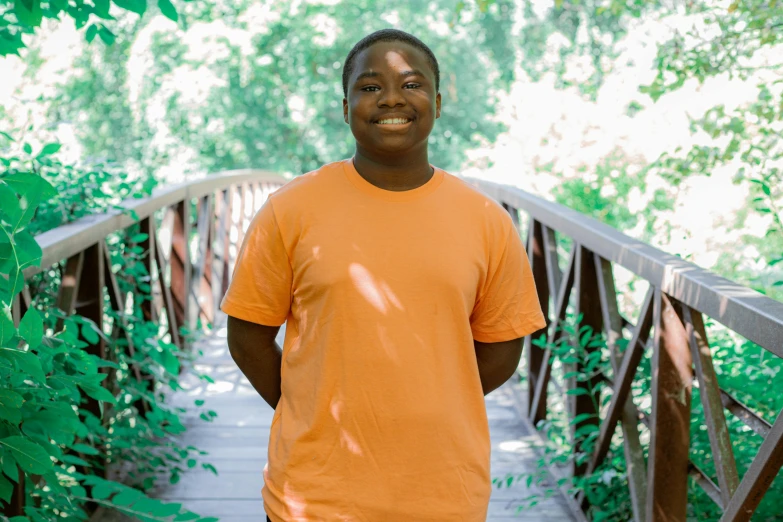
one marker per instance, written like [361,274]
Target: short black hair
[388,35]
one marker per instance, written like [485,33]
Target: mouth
[394,123]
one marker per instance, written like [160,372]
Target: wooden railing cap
[70,239]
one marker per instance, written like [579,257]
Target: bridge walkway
[237,444]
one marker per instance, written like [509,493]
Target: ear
[437,106]
[345,109]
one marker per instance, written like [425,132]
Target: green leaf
[9,466]
[78,491]
[89,333]
[25,362]
[169,362]
[577,391]
[583,417]
[73,459]
[10,43]
[585,429]
[28,12]
[28,251]
[51,148]
[127,497]
[102,9]
[97,392]
[30,456]
[9,203]
[91,33]
[168,9]
[106,35]
[168,509]
[15,281]
[26,184]
[135,6]
[27,148]
[31,328]
[58,422]
[7,329]
[32,189]
[7,262]
[103,490]
[10,406]
[6,488]
[84,448]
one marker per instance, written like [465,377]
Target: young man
[405,294]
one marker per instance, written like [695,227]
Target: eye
[413,85]
[369,87]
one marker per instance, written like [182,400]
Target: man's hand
[253,348]
[497,362]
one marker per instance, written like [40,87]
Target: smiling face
[392,104]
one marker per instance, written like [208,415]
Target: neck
[396,174]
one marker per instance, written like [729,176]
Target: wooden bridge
[237,445]
[194,230]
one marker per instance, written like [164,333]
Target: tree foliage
[23,17]
[739,39]
[271,94]
[47,371]
[742,41]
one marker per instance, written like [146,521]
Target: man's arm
[497,362]
[253,348]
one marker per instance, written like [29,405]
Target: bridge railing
[192,253]
[188,255]
[672,318]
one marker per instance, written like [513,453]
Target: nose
[391,97]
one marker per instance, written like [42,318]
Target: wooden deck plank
[237,444]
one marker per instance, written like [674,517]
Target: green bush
[47,373]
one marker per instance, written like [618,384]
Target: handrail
[66,240]
[671,317]
[743,310]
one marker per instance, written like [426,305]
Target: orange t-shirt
[382,415]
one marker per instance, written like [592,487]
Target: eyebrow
[373,74]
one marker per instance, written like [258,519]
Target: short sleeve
[507,306]
[260,289]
